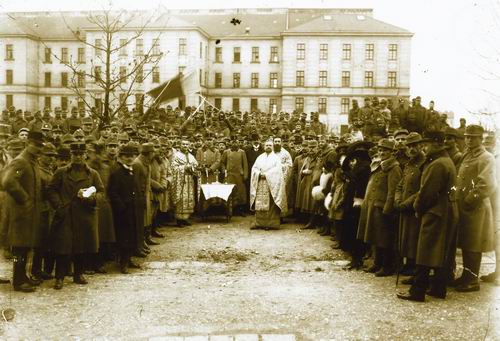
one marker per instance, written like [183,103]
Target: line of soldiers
[102,188]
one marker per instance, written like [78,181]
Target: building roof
[345,23]
[215,23]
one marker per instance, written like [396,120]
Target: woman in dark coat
[126,205]
[74,228]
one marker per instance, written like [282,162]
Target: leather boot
[416,297]
[59,284]
[156,234]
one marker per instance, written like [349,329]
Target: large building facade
[310,60]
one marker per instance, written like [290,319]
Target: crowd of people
[399,192]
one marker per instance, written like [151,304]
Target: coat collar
[69,169]
[389,164]
[476,151]
[435,154]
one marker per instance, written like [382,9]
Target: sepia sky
[455,48]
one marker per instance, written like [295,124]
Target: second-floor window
[369,51]
[301,51]
[346,51]
[182,46]
[299,79]
[9,52]
[273,80]
[9,77]
[323,78]
[255,55]
[81,55]
[218,54]
[64,79]
[64,55]
[255,80]
[218,80]
[393,51]
[98,47]
[48,55]
[156,47]
[80,79]
[156,74]
[299,104]
[323,51]
[346,79]
[48,79]
[344,106]
[139,47]
[97,74]
[236,80]
[274,54]
[236,54]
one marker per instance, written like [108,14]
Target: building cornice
[343,34]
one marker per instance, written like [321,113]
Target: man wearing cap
[367,117]
[475,185]
[19,123]
[128,208]
[43,260]
[450,142]
[73,193]
[183,165]
[111,152]
[73,122]
[234,162]
[268,189]
[406,192]
[21,182]
[436,207]
[377,223]
[23,133]
[417,117]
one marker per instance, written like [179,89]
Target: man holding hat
[476,184]
[128,208]
[21,182]
[435,206]
[406,192]
[377,222]
[73,193]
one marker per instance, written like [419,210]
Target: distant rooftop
[213,22]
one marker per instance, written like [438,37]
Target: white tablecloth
[222,191]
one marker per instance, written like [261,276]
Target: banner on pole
[179,86]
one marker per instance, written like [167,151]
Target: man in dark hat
[435,206]
[377,223]
[73,193]
[21,182]
[475,186]
[128,210]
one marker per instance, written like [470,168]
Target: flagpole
[194,112]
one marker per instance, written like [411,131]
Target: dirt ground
[218,278]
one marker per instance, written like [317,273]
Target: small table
[217,194]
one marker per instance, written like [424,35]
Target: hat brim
[474,135]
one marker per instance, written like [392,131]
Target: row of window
[347,51]
[300,79]
[182,46]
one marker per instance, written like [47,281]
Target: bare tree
[112,82]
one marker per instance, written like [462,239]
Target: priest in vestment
[183,183]
[268,189]
[286,163]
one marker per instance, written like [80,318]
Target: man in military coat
[435,206]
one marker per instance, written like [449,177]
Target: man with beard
[475,185]
[435,206]
[183,165]
[128,211]
[73,192]
[406,193]
[234,162]
[286,160]
[21,182]
[268,189]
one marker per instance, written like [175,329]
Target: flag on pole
[180,85]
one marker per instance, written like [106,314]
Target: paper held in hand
[88,192]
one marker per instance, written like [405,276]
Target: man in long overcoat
[377,222]
[435,205]
[21,182]
[75,233]
[476,184]
[406,193]
[128,211]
